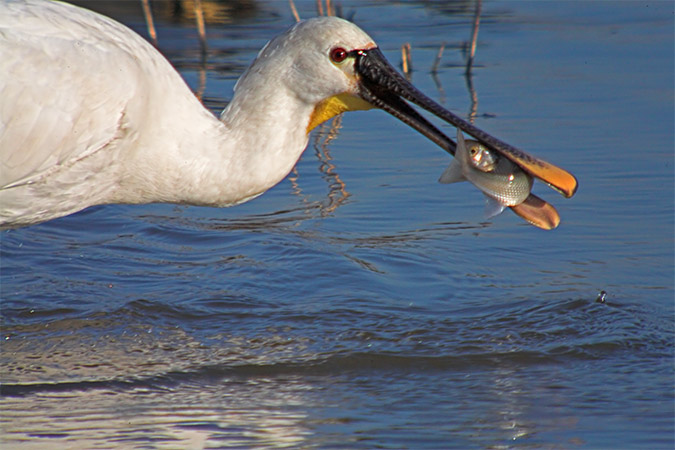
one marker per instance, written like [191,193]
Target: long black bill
[385,88]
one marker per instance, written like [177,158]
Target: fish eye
[338,54]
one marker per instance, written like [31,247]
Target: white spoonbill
[91,113]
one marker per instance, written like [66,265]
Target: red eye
[338,54]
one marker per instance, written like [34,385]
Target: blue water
[360,304]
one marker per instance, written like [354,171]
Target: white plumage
[91,113]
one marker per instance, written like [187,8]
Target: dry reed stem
[406,58]
[201,28]
[294,10]
[437,61]
[147,12]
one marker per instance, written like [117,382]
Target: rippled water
[359,304]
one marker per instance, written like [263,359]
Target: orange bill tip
[559,179]
[537,212]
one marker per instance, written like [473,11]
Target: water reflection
[234,412]
[177,12]
[468,72]
[337,193]
[121,378]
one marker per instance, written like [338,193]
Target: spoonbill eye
[338,54]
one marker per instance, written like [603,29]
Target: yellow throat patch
[332,106]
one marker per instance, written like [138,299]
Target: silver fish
[503,182]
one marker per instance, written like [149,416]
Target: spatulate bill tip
[566,185]
[537,212]
[559,179]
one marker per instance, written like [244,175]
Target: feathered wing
[49,117]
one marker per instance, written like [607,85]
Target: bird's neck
[267,136]
[207,161]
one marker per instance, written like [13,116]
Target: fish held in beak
[382,86]
[502,182]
